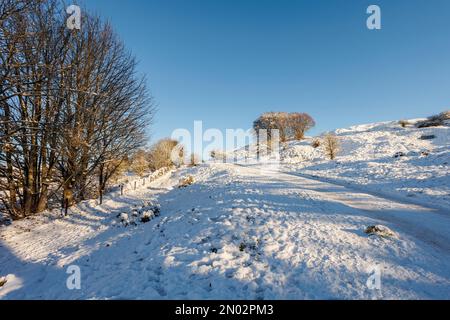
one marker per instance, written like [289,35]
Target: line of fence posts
[65,201]
[65,205]
[134,184]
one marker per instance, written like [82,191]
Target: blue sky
[226,61]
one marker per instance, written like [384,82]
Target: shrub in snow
[380,230]
[147,216]
[251,246]
[156,211]
[316,143]
[399,154]
[403,123]
[147,203]
[149,206]
[144,214]
[435,121]
[2,282]
[124,217]
[165,153]
[331,145]
[186,182]
[428,137]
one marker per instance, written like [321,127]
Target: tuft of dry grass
[189,180]
[404,123]
[435,121]
[315,144]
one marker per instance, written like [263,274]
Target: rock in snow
[380,230]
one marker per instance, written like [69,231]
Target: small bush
[380,230]
[403,123]
[331,146]
[139,214]
[399,154]
[435,121]
[428,137]
[186,182]
[316,143]
[146,217]
[165,153]
[124,218]
[2,282]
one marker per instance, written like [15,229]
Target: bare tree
[30,48]
[331,145]
[289,125]
[9,8]
[299,123]
[273,121]
[72,106]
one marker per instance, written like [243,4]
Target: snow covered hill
[236,233]
[410,163]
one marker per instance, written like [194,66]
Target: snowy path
[404,213]
[237,233]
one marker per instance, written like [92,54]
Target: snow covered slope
[410,163]
[234,234]
[387,158]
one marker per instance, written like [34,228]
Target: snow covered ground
[383,158]
[236,233]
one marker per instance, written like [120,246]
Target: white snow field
[411,164]
[236,233]
[391,160]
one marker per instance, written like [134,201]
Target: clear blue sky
[227,61]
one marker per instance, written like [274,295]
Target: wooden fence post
[66,206]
